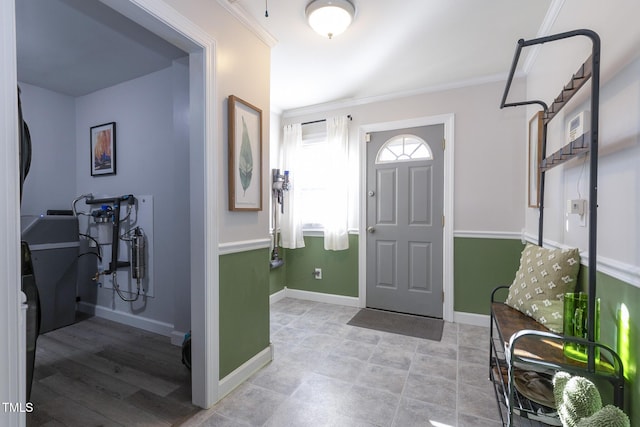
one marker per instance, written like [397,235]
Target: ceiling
[79,46]
[76,47]
[393,46]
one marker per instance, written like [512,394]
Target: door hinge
[444,144]
[442,296]
[367,137]
[442,221]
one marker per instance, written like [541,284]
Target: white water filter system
[107,220]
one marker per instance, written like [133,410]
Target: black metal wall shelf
[586,144]
[571,150]
[578,80]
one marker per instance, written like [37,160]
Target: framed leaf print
[245,156]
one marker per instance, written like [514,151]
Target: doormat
[399,323]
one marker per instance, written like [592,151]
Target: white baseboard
[242,373]
[177,338]
[471,318]
[458,316]
[139,322]
[320,297]
[281,294]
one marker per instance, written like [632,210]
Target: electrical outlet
[317,273]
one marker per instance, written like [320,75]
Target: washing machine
[54,243]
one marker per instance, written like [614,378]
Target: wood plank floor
[101,373]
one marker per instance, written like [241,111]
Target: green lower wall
[278,276]
[339,268]
[479,265]
[613,293]
[244,307]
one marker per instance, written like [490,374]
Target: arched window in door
[404,148]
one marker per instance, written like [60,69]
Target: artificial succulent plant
[580,405]
[609,416]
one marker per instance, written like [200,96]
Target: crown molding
[241,14]
[545,29]
[354,102]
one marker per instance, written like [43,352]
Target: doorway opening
[405,194]
[365,264]
[202,187]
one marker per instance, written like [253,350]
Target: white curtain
[336,234]
[291,223]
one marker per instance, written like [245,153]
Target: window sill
[317,232]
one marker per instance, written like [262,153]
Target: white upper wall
[489,150]
[152,159]
[619,130]
[243,70]
[51,120]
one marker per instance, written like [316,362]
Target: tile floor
[327,373]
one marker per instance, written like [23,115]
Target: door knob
[370,229]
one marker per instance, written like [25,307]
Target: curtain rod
[323,120]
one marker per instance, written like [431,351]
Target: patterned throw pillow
[543,278]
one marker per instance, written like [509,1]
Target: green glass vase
[575,321]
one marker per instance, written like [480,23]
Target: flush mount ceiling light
[330,17]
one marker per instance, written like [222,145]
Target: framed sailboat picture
[245,156]
[103,149]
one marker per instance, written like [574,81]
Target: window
[404,148]
[311,175]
